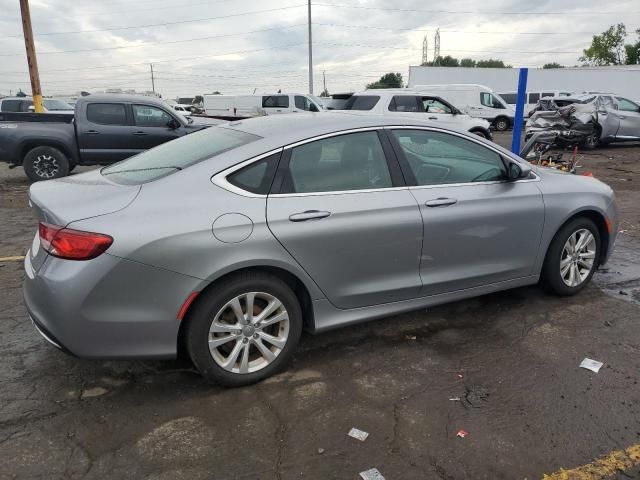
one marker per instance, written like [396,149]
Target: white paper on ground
[358,434]
[592,365]
[371,474]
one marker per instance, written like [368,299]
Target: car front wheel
[244,329]
[572,257]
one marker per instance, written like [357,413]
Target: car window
[275,101]
[25,104]
[488,100]
[54,104]
[405,103]
[11,105]
[534,97]
[547,94]
[439,158]
[107,113]
[565,94]
[361,102]
[177,155]
[303,103]
[354,161]
[257,177]
[433,105]
[510,98]
[627,105]
[147,116]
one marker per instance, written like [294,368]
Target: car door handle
[441,202]
[91,132]
[308,215]
[433,118]
[139,133]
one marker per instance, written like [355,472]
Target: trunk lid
[65,200]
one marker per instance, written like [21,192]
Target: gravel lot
[512,359]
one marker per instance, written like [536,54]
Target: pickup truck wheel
[45,163]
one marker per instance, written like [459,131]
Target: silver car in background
[232,240]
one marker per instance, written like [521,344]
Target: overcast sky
[236,46]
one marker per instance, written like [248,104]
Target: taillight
[72,244]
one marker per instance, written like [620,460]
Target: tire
[552,277]
[45,163]
[592,141]
[501,124]
[481,134]
[214,308]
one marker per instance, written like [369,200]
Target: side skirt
[328,317]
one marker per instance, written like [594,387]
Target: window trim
[393,159]
[411,181]
[127,114]
[133,115]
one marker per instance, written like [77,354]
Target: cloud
[268,50]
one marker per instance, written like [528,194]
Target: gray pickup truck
[103,129]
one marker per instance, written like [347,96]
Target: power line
[196,20]
[125,47]
[448,49]
[471,12]
[483,32]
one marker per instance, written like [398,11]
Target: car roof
[293,127]
[118,97]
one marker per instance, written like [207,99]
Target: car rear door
[340,208]
[274,104]
[479,229]
[104,130]
[152,126]
[629,115]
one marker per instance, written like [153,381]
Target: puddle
[620,277]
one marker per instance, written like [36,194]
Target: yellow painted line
[17,258]
[606,467]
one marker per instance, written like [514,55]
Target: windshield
[52,104]
[176,155]
[361,102]
[318,101]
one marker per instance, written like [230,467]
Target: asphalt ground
[510,359]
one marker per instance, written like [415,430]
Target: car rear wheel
[45,163]
[572,257]
[244,330]
[591,141]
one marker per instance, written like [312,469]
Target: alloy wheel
[248,332]
[578,257]
[46,166]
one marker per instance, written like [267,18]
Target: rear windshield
[361,102]
[177,155]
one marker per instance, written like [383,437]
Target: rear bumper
[107,307]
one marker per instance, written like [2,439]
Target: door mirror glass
[173,124]
[517,171]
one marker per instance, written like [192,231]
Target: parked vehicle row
[103,129]
[25,104]
[245,106]
[230,241]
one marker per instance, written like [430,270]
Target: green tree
[388,80]
[552,65]
[325,93]
[632,51]
[607,48]
[446,61]
[468,63]
[491,63]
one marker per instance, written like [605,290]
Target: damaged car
[586,120]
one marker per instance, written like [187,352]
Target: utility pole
[324,82]
[29,44]
[153,81]
[310,51]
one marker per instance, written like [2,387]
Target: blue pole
[518,120]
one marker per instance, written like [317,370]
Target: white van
[532,97]
[475,100]
[243,106]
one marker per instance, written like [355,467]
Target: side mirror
[173,124]
[516,171]
[31,108]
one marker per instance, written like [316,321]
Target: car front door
[103,137]
[153,126]
[479,228]
[345,216]
[274,104]
[629,115]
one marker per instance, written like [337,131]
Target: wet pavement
[511,358]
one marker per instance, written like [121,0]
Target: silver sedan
[230,241]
